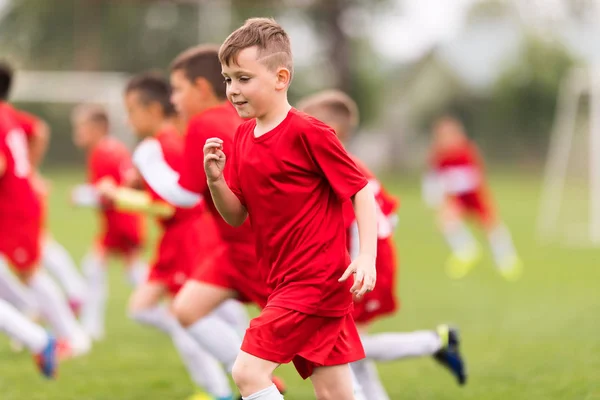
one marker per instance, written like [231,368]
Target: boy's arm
[226,201]
[127,199]
[38,143]
[164,180]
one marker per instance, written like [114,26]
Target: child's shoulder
[307,124]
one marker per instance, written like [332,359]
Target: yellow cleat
[511,269]
[200,396]
[460,264]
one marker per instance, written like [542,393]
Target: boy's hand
[214,159]
[365,276]
[107,188]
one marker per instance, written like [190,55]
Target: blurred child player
[290,175]
[457,187]
[122,233]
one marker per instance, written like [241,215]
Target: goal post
[75,87]
[579,83]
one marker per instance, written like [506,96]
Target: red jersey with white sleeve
[293,180]
[188,235]
[121,232]
[461,173]
[382,300]
[20,209]
[233,264]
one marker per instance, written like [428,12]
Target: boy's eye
[227,80]
[244,79]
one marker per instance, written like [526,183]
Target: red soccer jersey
[110,158]
[171,144]
[220,121]
[293,181]
[386,203]
[460,168]
[18,200]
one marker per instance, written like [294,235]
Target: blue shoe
[47,360]
[449,355]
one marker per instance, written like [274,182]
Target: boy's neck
[161,126]
[272,119]
[211,103]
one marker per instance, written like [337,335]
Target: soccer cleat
[204,396]
[460,264]
[47,359]
[449,355]
[511,269]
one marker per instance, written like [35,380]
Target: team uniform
[382,300]
[187,235]
[121,233]
[232,264]
[460,172]
[293,181]
[20,207]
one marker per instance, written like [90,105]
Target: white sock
[460,239]
[234,313]
[15,292]
[368,378]
[55,310]
[394,346]
[92,312]
[59,262]
[217,337]
[136,272]
[20,328]
[357,388]
[204,369]
[270,393]
[502,245]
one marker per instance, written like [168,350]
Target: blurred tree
[524,98]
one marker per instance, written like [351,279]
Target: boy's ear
[284,77]
[204,86]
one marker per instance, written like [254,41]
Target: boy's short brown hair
[335,104]
[202,62]
[152,87]
[91,113]
[273,43]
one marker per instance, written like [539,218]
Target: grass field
[535,339]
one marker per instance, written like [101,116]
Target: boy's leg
[465,251]
[54,308]
[333,383]
[234,313]
[14,291]
[193,306]
[57,260]
[136,269]
[204,370]
[252,375]
[504,252]
[367,376]
[93,310]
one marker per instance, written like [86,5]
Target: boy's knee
[249,379]
[185,314]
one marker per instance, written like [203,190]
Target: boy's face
[448,134]
[186,96]
[142,117]
[87,132]
[251,85]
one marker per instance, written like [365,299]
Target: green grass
[534,339]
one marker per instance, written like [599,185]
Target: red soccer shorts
[21,244]
[382,300]
[122,237]
[177,254]
[281,335]
[477,204]
[234,266]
